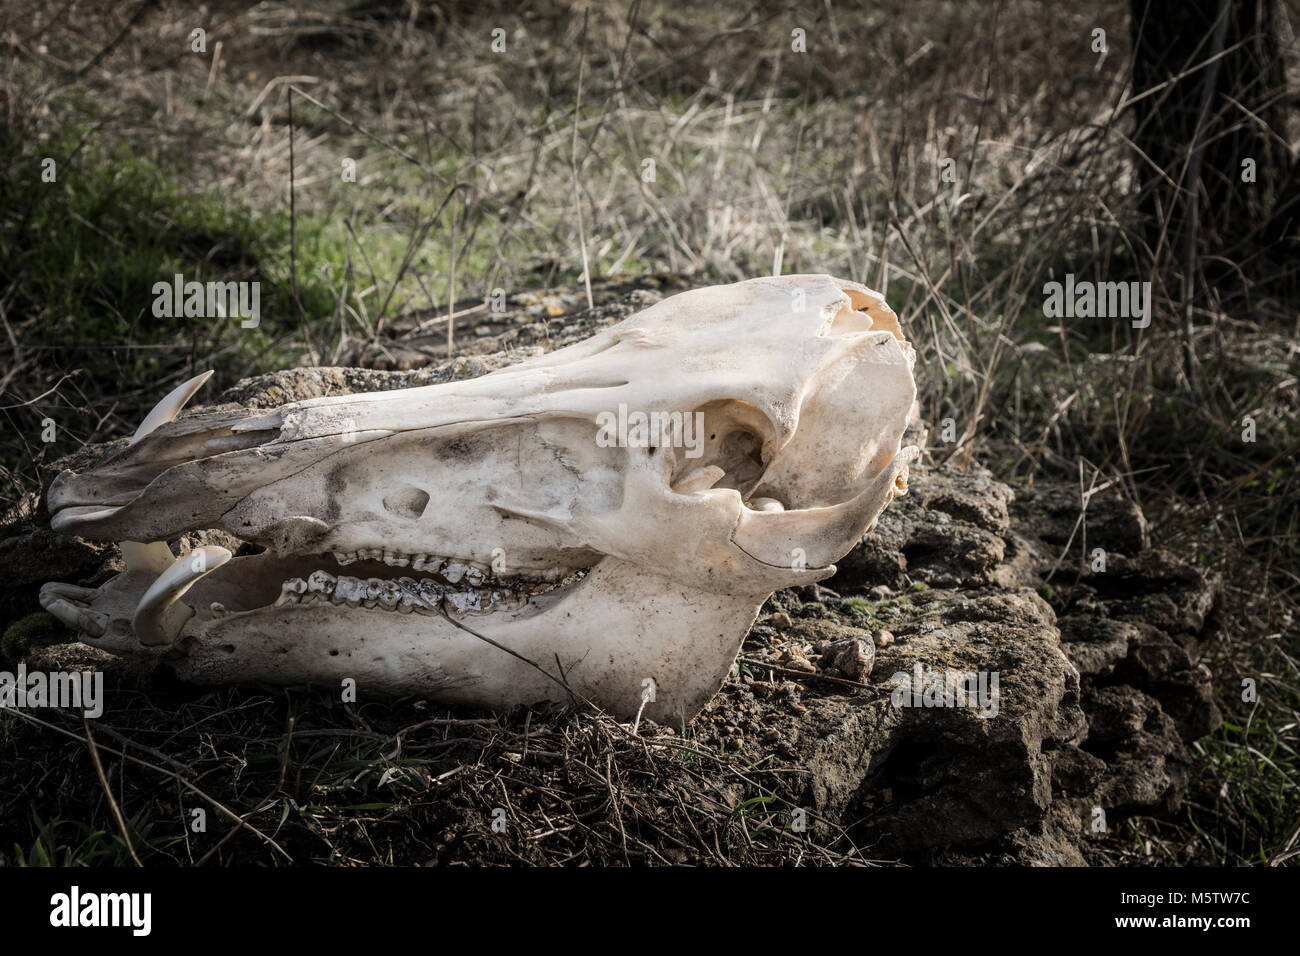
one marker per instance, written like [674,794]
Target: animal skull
[484,542]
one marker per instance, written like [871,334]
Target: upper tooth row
[403,595]
[452,570]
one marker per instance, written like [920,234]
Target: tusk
[169,407]
[158,619]
[821,536]
[155,556]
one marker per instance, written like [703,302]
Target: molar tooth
[454,571]
[476,574]
[417,561]
[291,592]
[465,602]
[389,597]
[371,554]
[395,559]
[508,600]
[218,609]
[350,589]
[321,582]
[408,597]
[766,504]
[345,557]
[431,591]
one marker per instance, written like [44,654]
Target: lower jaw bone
[618,637]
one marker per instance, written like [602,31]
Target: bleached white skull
[602,521]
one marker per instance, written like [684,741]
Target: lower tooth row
[403,595]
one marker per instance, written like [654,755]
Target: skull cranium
[501,540]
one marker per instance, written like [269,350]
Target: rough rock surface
[1098,686]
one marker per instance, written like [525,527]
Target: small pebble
[855,659]
[791,659]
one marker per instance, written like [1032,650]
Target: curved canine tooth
[169,407]
[159,618]
[766,504]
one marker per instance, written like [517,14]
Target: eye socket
[408,502]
